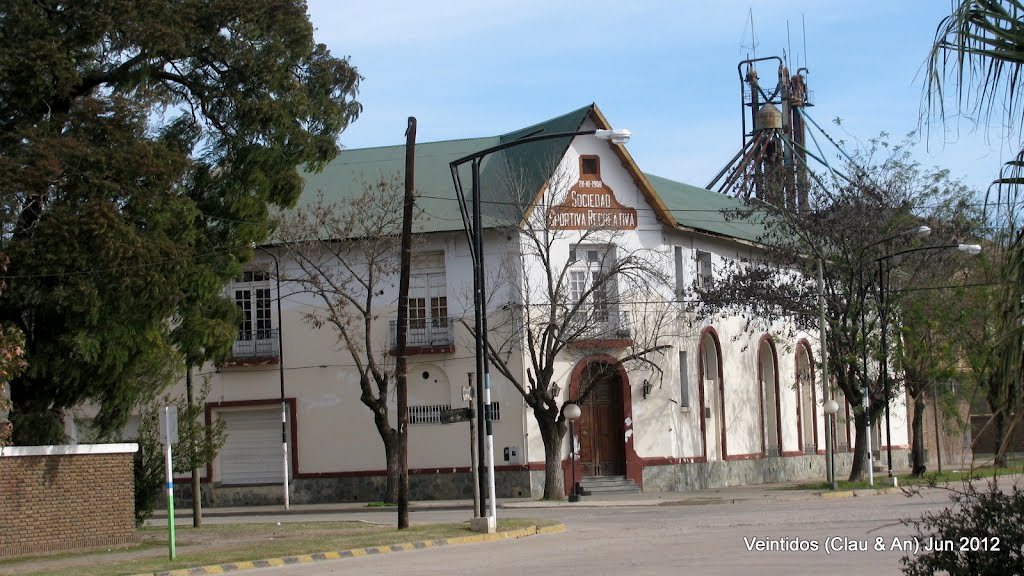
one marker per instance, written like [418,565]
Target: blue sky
[666,70]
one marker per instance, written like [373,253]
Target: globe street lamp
[831,407]
[571,410]
[472,220]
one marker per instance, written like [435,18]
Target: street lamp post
[472,220]
[831,407]
[883,305]
[917,232]
[280,372]
[572,412]
[866,397]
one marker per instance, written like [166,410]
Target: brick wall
[63,497]
[983,427]
[954,439]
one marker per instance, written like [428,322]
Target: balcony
[255,347]
[430,336]
[604,329]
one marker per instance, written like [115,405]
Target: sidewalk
[313,515]
[782,492]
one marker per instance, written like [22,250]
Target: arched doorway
[712,396]
[601,426]
[808,414]
[768,374]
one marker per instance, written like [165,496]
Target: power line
[124,268]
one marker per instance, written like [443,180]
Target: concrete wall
[63,497]
[704,475]
[440,485]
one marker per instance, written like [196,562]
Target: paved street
[676,537]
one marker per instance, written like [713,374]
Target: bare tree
[571,290]
[345,253]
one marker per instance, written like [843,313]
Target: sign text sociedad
[592,205]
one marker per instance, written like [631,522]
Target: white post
[168,436]
[284,445]
[867,427]
[492,504]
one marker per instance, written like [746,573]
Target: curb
[832,495]
[215,513]
[356,552]
[859,493]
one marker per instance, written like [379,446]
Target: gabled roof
[529,165]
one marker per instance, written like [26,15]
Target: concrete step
[607,485]
[595,480]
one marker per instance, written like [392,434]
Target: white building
[723,407]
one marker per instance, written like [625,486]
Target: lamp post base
[574,497]
[486,524]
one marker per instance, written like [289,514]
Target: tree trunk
[917,443]
[859,448]
[552,432]
[392,455]
[1000,446]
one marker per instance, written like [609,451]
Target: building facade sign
[591,204]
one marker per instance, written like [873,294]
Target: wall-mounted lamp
[647,388]
[555,390]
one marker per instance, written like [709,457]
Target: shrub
[197,446]
[981,534]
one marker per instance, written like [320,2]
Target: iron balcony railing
[600,324]
[256,344]
[425,333]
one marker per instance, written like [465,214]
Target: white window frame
[253,295]
[584,272]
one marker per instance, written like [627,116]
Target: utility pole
[197,505]
[830,471]
[402,329]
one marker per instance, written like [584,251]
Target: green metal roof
[706,211]
[527,167]
[346,176]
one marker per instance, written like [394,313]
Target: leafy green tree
[143,144]
[979,51]
[937,301]
[12,347]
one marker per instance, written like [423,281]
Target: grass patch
[381,505]
[224,543]
[929,479]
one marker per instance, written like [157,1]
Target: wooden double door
[601,427]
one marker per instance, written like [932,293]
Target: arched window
[808,413]
[768,376]
[711,394]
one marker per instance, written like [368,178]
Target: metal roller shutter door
[252,451]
